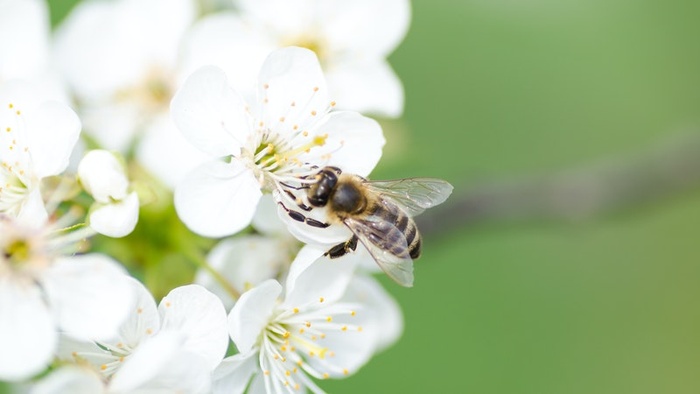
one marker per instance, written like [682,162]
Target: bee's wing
[387,245]
[415,195]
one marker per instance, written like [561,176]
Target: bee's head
[320,191]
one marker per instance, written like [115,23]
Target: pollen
[359,329]
[326,375]
[139,311]
[11,106]
[329,319]
[295,310]
[149,331]
[353,313]
[301,330]
[267,373]
[282,119]
[315,88]
[345,372]
[321,299]
[288,373]
[286,334]
[8,129]
[18,112]
[103,367]
[313,113]
[332,103]
[344,328]
[168,304]
[293,104]
[266,86]
[307,324]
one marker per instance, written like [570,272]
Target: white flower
[116,210]
[42,292]
[308,332]
[352,39]
[288,132]
[124,78]
[24,50]
[174,347]
[36,140]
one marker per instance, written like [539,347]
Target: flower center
[152,94]
[17,252]
[276,158]
[298,334]
[310,41]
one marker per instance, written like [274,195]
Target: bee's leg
[298,201]
[299,217]
[302,187]
[342,249]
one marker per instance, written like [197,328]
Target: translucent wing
[387,245]
[415,195]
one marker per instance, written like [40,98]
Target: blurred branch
[669,169]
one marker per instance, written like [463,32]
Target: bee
[378,213]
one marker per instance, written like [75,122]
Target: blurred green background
[497,90]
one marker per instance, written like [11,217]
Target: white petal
[303,260]
[89,295]
[165,152]
[26,53]
[199,315]
[54,130]
[386,317]
[217,198]
[354,143]
[28,334]
[367,87]
[113,126]
[33,212]
[117,219]
[366,27]
[70,379]
[245,262]
[234,373]
[143,320]
[223,39]
[160,365]
[210,114]
[291,90]
[103,176]
[100,57]
[324,277]
[266,220]
[252,313]
[287,16]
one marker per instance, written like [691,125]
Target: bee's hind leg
[342,249]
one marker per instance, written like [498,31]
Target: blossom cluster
[228,116]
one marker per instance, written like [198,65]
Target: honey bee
[378,213]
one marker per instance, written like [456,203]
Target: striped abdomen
[403,227]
